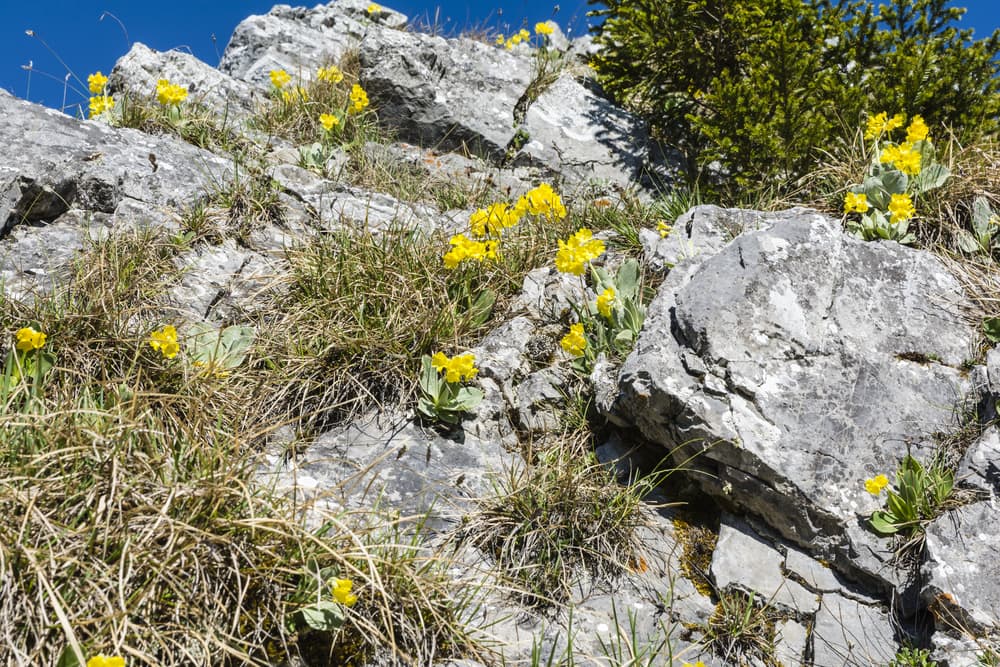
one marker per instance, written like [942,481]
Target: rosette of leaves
[985,227]
[441,400]
[919,495]
[322,614]
[218,351]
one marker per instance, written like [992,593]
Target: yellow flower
[96,82]
[493,219]
[543,28]
[101,103]
[895,121]
[876,125]
[524,35]
[280,78]
[106,661]
[165,342]
[542,200]
[875,485]
[499,40]
[855,203]
[509,44]
[465,248]
[341,591]
[359,99]
[917,131]
[664,229]
[574,343]
[29,339]
[331,74]
[328,121]
[901,208]
[605,300]
[908,159]
[457,368]
[170,94]
[374,8]
[697,664]
[576,251]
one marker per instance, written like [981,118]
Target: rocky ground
[781,363]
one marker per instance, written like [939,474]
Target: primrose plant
[985,235]
[443,396]
[882,206]
[918,496]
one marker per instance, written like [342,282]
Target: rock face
[299,40]
[139,70]
[445,93]
[57,167]
[799,361]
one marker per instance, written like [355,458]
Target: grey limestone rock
[961,578]
[800,361]
[847,632]
[442,93]
[300,40]
[138,71]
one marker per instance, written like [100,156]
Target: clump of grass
[143,530]
[361,310]
[560,517]
[198,124]
[742,630]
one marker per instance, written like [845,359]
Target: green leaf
[220,350]
[627,280]
[68,658]
[894,182]
[968,243]
[467,399]
[932,177]
[981,214]
[991,329]
[325,616]
[884,523]
[482,308]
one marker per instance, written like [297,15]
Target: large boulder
[61,175]
[444,93]
[299,40]
[138,71]
[792,364]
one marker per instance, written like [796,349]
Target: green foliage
[442,400]
[912,657]
[763,85]
[985,225]
[919,495]
[215,351]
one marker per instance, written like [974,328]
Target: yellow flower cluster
[664,229]
[521,35]
[880,124]
[903,157]
[106,661]
[341,591]
[374,8]
[605,301]
[544,28]
[359,99]
[170,94]
[542,200]
[917,131]
[493,219]
[28,339]
[901,208]
[328,121]
[575,252]
[875,485]
[574,343]
[165,342]
[96,82]
[457,368]
[855,203]
[331,74]
[280,78]
[100,101]
[464,248]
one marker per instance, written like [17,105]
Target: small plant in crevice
[985,235]
[742,629]
[446,398]
[561,516]
[909,656]
[919,494]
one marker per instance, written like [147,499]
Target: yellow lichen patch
[697,544]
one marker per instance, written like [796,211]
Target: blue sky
[85,42]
